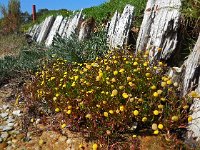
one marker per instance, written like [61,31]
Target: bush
[121,93]
[11,17]
[72,49]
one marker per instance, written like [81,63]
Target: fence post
[34,12]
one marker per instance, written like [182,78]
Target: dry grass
[11,44]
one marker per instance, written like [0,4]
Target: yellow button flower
[156,132]
[135,112]
[115,72]
[111,111]
[63,125]
[57,109]
[69,112]
[122,108]
[160,126]
[125,95]
[121,70]
[94,146]
[155,94]
[163,84]
[129,78]
[153,87]
[135,63]
[175,118]
[89,116]
[114,93]
[105,114]
[156,112]
[189,118]
[169,82]
[144,119]
[121,87]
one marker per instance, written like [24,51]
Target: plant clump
[108,97]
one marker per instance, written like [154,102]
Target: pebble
[17,113]
[5,107]
[62,139]
[10,124]
[4,115]
[10,120]
[7,128]
[4,135]
[14,140]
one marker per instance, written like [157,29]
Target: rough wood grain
[46,26]
[159,28]
[54,30]
[119,28]
[72,25]
[86,28]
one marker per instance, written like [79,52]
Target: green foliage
[108,8]
[72,49]
[27,60]
[120,93]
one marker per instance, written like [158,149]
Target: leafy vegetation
[120,93]
[72,49]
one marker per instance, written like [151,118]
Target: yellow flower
[144,119]
[155,94]
[135,112]
[54,98]
[185,107]
[104,102]
[159,92]
[160,106]
[153,87]
[156,112]
[156,132]
[69,107]
[117,111]
[135,63]
[107,68]
[98,106]
[148,75]
[113,80]
[115,72]
[105,114]
[121,70]
[163,84]
[154,126]
[111,111]
[122,108]
[134,136]
[52,78]
[98,78]
[63,125]
[76,78]
[69,112]
[94,146]
[114,93]
[125,95]
[169,82]
[129,78]
[57,109]
[131,84]
[190,118]
[73,84]
[121,87]
[174,118]
[100,74]
[163,99]
[194,94]
[160,126]
[89,116]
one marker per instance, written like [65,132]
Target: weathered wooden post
[34,12]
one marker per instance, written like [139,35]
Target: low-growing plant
[120,93]
[72,49]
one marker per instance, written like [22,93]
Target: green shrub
[120,93]
[72,49]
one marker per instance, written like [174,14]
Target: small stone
[14,140]
[10,124]
[69,141]
[3,145]
[4,135]
[16,124]
[7,128]
[9,142]
[4,115]
[37,121]
[5,107]
[62,138]
[17,113]
[10,120]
